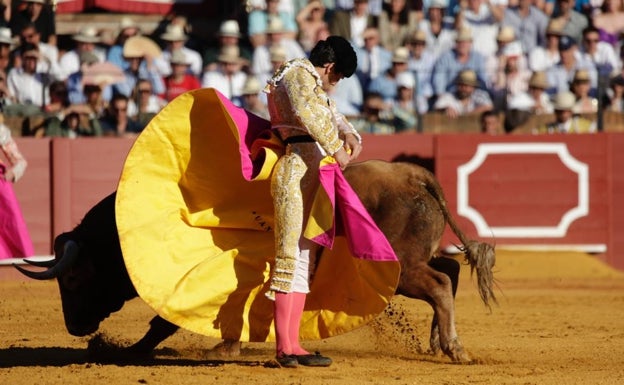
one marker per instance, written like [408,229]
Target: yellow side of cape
[197,237]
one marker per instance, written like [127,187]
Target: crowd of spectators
[454,57]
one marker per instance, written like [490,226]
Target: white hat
[87,34]
[178,57]
[127,22]
[564,101]
[174,32]
[513,49]
[438,4]
[5,35]
[406,79]
[521,101]
[229,28]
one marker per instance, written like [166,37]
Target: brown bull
[405,200]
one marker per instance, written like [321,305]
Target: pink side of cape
[365,239]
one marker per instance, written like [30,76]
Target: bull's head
[86,300]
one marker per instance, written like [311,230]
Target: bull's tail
[480,255]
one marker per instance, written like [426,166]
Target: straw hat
[506,34]
[174,32]
[275,25]
[87,34]
[230,54]
[538,80]
[400,55]
[555,27]
[564,101]
[581,76]
[178,57]
[277,53]
[464,34]
[251,86]
[5,36]
[418,35]
[467,77]
[229,28]
[140,46]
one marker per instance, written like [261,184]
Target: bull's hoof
[456,352]
[434,344]
[227,348]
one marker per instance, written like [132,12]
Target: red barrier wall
[529,191]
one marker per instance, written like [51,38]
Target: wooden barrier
[546,191]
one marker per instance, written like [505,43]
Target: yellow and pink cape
[195,217]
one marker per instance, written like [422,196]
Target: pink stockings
[288,313]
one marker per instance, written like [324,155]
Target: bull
[404,199]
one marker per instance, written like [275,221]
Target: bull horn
[69,257]
[48,263]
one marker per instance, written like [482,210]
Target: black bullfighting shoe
[287,360]
[315,359]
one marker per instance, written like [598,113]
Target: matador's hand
[352,145]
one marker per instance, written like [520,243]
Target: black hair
[337,50]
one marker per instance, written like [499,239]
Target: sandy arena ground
[560,320]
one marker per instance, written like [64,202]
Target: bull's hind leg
[421,281]
[451,268]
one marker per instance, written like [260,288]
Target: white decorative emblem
[560,149]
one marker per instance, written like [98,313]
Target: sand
[560,320]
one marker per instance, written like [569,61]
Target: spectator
[251,98]
[6,41]
[529,24]
[6,99]
[538,84]
[396,23]
[610,21]
[376,117]
[386,83]
[228,35]
[403,107]
[348,96]
[277,56]
[352,23]
[15,241]
[466,99]
[451,62]
[5,13]
[180,80]
[26,84]
[175,39]
[600,53]
[508,49]
[115,121]
[573,22]
[512,77]
[275,37]
[71,125]
[372,59]
[491,123]
[310,19]
[141,65]
[483,17]
[616,95]
[440,33]
[75,82]
[580,87]
[565,120]
[85,41]
[49,62]
[560,76]
[259,20]
[127,29]
[228,78]
[420,64]
[543,58]
[39,12]
[144,104]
